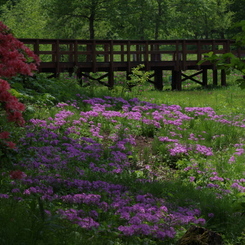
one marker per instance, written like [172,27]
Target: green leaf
[241,83]
[139,173]
[241,194]
[15,93]
[18,86]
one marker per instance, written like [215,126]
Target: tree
[237,6]
[143,19]
[222,18]
[133,19]
[204,18]
[2,2]
[120,19]
[25,18]
[230,62]
[164,18]
[15,58]
[160,16]
[77,17]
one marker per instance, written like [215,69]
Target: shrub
[15,58]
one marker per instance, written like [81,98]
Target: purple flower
[135,220]
[207,151]
[200,221]
[239,187]
[126,230]
[88,223]
[239,151]
[178,149]
[192,179]
[211,185]
[216,178]
[6,196]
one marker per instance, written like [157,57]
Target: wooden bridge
[108,56]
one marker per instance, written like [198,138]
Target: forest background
[122,19]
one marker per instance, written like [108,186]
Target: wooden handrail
[126,51]
[85,56]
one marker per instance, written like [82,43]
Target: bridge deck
[84,56]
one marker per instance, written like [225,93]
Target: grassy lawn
[98,166]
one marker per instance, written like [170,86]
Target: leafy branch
[138,76]
[228,61]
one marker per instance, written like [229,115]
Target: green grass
[225,100]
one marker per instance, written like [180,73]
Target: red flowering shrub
[4,140]
[17,174]
[15,58]
[11,104]
[4,135]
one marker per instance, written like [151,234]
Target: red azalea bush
[15,58]
[4,138]
[17,174]
[11,104]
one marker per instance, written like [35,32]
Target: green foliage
[239,201]
[42,228]
[9,155]
[37,227]
[33,89]
[26,18]
[77,18]
[228,61]
[237,9]
[240,36]
[203,19]
[41,90]
[138,77]
[156,19]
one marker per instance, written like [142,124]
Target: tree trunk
[158,17]
[91,27]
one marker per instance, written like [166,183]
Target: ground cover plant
[113,170]
[97,166]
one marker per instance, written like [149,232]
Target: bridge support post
[215,77]
[176,80]
[223,78]
[110,79]
[205,77]
[158,82]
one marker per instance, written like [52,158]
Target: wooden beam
[223,78]
[158,82]
[191,76]
[150,52]
[215,77]
[204,77]
[176,80]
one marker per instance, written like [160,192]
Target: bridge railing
[96,53]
